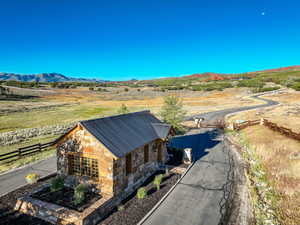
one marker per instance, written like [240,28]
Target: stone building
[113,154]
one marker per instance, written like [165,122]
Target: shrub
[141,193]
[121,207]
[79,193]
[32,178]
[157,181]
[296,86]
[126,89]
[91,88]
[57,183]
[257,90]
[251,83]
[123,109]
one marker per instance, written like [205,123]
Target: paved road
[198,199]
[16,178]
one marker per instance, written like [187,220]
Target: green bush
[251,83]
[57,183]
[257,90]
[211,86]
[296,86]
[121,207]
[123,109]
[141,193]
[157,181]
[32,178]
[79,193]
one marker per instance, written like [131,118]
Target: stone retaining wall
[13,137]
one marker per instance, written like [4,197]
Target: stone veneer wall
[140,171]
[112,171]
[80,141]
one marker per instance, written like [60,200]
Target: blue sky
[118,40]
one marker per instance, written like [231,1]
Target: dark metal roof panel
[123,133]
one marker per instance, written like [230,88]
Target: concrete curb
[164,197]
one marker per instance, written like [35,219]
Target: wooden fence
[273,126]
[216,124]
[248,123]
[28,150]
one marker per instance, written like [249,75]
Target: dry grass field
[280,157]
[63,106]
[70,105]
[287,114]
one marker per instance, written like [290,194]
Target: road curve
[200,196]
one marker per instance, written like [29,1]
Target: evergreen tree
[172,113]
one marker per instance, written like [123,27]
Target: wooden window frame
[146,153]
[159,152]
[83,166]
[128,164]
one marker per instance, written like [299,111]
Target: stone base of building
[57,214]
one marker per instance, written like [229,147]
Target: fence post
[19,153]
[40,147]
[262,121]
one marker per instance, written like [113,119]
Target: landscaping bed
[65,198]
[133,209]
[8,202]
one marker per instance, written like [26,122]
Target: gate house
[113,154]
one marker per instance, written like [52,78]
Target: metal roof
[124,133]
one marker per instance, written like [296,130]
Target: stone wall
[81,142]
[13,137]
[140,170]
[112,170]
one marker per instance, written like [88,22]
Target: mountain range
[44,77]
[56,77]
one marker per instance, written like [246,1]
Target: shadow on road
[198,142]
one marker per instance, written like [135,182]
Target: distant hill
[44,77]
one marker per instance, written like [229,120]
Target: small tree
[79,193]
[141,193]
[123,109]
[172,112]
[157,181]
[57,183]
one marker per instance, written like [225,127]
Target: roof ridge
[116,116]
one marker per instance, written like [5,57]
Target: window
[83,166]
[146,153]
[159,152]
[128,164]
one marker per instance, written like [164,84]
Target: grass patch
[32,141]
[46,117]
[4,166]
[26,160]
[265,200]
